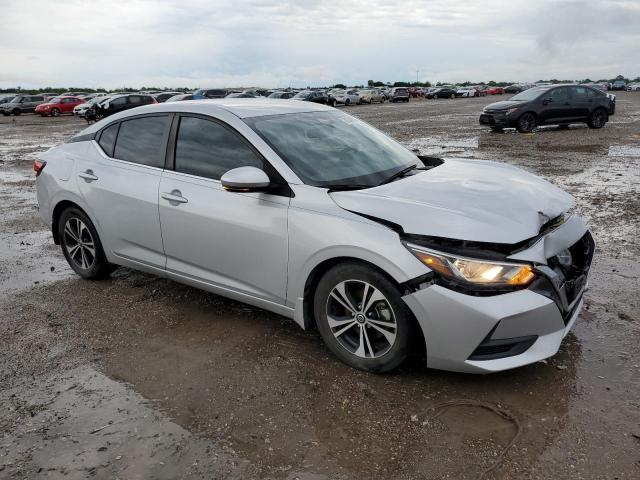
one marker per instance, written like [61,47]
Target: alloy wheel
[79,243]
[361,319]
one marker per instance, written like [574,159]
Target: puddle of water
[624,151]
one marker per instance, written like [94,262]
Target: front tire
[362,318]
[81,245]
[526,123]
[16,111]
[598,118]
[347,102]
[55,112]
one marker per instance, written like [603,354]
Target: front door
[234,241]
[556,106]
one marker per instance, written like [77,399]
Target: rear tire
[526,123]
[81,245]
[598,118]
[362,318]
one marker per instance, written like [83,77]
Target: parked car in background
[81,110]
[619,85]
[164,96]
[466,92]
[58,106]
[312,96]
[240,95]
[442,92]
[346,97]
[514,89]
[181,98]
[554,105]
[495,91]
[634,87]
[371,96]
[315,215]
[482,90]
[210,93]
[399,94]
[118,103]
[281,95]
[6,98]
[21,104]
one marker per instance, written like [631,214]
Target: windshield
[333,148]
[530,94]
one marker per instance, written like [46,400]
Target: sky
[213,43]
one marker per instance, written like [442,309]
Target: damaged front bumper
[483,334]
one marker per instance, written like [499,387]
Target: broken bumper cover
[482,334]
[457,325]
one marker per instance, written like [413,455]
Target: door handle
[174,197]
[88,176]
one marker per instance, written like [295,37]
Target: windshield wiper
[398,174]
[336,187]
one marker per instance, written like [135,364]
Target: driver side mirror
[546,101]
[245,179]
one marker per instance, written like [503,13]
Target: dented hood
[465,200]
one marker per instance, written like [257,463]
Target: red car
[495,91]
[58,105]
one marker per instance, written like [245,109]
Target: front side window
[559,94]
[331,148]
[208,149]
[143,140]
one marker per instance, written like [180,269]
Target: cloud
[311,42]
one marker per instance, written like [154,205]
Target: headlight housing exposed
[474,271]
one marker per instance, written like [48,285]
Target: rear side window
[208,149]
[143,140]
[108,139]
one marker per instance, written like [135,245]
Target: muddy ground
[139,377]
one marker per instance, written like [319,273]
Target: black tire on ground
[347,102]
[332,103]
[97,266]
[55,112]
[16,111]
[598,118]
[497,129]
[526,123]
[405,326]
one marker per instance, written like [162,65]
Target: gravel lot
[139,377]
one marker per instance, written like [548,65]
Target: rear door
[583,101]
[233,241]
[120,184]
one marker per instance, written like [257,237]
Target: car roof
[240,107]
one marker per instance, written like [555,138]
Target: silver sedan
[311,213]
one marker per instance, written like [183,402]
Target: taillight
[38,166]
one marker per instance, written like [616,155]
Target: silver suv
[22,104]
[308,212]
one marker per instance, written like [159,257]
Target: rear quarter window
[107,139]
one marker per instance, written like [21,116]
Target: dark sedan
[550,105]
[312,96]
[442,92]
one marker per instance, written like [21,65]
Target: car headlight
[474,271]
[511,110]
